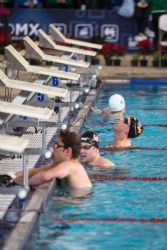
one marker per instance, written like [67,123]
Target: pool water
[111,216]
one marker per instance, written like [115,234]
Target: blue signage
[78,24]
[55,81]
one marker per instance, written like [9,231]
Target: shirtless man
[65,164]
[121,139]
[90,153]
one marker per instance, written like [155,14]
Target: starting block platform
[17,61]
[33,51]
[46,41]
[51,92]
[26,110]
[10,143]
[58,36]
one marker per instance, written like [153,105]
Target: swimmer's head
[135,126]
[116,103]
[91,138]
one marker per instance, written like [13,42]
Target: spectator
[141,15]
[158,8]
[27,3]
[6,3]
[113,4]
[57,4]
[94,4]
[77,4]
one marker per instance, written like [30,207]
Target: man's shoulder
[73,163]
[104,162]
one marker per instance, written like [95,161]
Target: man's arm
[31,172]
[105,113]
[61,171]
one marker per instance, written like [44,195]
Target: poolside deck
[126,72]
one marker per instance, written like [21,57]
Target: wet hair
[71,140]
[135,126]
[90,137]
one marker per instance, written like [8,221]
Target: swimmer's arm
[104,112]
[31,172]
[98,111]
[60,171]
[107,116]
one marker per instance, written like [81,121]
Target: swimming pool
[125,210]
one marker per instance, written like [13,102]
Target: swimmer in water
[116,109]
[90,153]
[124,127]
[130,127]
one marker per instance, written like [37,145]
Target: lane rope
[139,94]
[113,219]
[154,109]
[127,178]
[131,148]
[155,125]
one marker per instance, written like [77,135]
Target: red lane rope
[148,148]
[155,125]
[132,148]
[139,94]
[115,219]
[154,108]
[127,178]
[121,86]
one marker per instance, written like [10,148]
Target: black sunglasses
[58,146]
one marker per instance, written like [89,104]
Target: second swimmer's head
[116,103]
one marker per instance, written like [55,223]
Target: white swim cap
[116,103]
